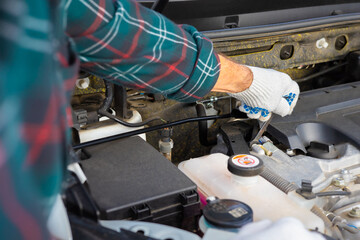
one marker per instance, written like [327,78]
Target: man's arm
[131,45]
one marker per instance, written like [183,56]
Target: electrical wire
[127,124]
[349,228]
[153,128]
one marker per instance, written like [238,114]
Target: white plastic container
[212,177]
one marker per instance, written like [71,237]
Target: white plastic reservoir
[212,177]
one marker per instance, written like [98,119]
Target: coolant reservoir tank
[237,178]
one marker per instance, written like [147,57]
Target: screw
[354,213]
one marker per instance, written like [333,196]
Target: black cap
[228,213]
[245,165]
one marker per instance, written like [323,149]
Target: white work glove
[270,92]
[283,229]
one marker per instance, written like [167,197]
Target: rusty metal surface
[265,52]
[96,86]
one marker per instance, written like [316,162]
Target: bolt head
[355,212]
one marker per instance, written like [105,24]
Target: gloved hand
[283,229]
[270,92]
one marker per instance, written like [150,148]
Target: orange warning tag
[246,161]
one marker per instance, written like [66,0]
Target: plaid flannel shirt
[120,41]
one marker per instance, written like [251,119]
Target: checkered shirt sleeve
[126,43]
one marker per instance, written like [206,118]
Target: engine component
[118,94]
[225,214]
[234,135]
[351,216]
[166,143]
[318,148]
[138,183]
[327,116]
[278,181]
[240,117]
[213,179]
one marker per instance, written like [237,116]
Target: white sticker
[238,212]
[246,161]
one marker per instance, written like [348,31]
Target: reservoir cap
[245,165]
[227,213]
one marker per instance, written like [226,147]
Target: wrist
[233,77]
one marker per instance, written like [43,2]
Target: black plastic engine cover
[327,116]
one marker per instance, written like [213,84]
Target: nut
[338,182]
[355,212]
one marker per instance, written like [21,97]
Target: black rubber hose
[109,96]
[203,129]
[148,129]
[333,193]
[118,120]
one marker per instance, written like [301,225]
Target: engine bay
[148,166]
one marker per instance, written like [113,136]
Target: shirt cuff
[205,72]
